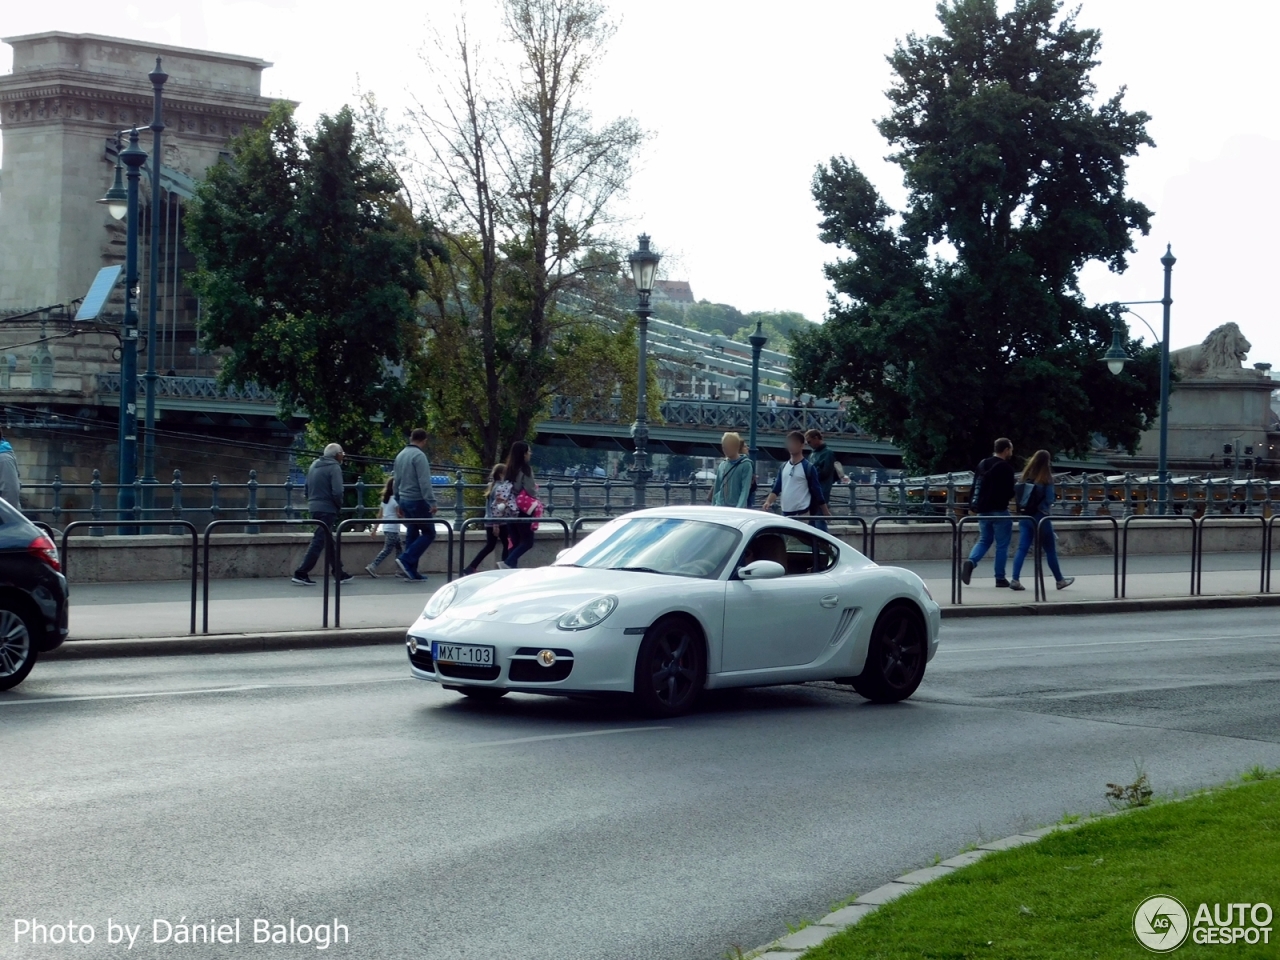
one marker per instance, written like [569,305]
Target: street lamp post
[1115,359]
[133,157]
[757,340]
[644,267]
[157,78]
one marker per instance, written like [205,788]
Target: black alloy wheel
[896,656]
[671,668]
[18,650]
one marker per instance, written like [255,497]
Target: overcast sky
[743,100]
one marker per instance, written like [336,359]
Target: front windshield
[678,548]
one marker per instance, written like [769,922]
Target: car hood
[544,593]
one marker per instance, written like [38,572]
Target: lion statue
[1222,354]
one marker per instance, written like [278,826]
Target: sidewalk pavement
[163,609]
[1223,574]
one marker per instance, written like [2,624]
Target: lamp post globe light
[157,78]
[644,268]
[757,341]
[132,157]
[1115,359]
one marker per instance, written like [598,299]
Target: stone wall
[238,555]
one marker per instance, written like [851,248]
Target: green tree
[961,320]
[520,179]
[308,265]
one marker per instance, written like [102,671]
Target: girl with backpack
[1034,496]
[390,527]
[524,490]
[499,503]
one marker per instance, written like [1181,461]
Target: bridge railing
[459,497]
[714,414]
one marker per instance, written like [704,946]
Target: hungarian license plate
[463,653]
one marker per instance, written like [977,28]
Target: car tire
[896,656]
[671,668]
[482,693]
[18,648]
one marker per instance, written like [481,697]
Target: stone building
[60,110]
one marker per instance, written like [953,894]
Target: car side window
[798,553]
[826,555]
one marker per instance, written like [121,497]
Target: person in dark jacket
[992,490]
[324,501]
[10,483]
[797,486]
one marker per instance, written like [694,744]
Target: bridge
[689,427]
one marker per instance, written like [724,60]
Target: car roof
[726,516]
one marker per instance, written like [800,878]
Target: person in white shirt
[391,532]
[796,485]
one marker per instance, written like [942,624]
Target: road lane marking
[1053,645]
[182,693]
[563,736]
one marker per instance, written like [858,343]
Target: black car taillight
[44,548]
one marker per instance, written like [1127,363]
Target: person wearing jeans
[1035,497]
[992,490]
[412,472]
[324,503]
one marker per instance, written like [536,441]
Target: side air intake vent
[842,628]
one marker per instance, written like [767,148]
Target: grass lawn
[1073,894]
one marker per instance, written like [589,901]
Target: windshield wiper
[637,569]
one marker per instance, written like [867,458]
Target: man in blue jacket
[797,484]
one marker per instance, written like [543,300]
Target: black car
[33,596]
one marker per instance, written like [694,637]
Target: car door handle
[829,601]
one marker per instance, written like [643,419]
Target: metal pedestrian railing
[1264,529]
[472,522]
[1041,592]
[208,532]
[1167,520]
[955,540]
[195,560]
[353,522]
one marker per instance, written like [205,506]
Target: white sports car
[663,604]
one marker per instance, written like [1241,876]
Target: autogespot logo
[1160,923]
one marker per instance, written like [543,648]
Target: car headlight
[588,615]
[440,601]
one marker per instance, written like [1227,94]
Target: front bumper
[599,660]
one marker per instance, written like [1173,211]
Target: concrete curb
[1085,607]
[226,643]
[794,945]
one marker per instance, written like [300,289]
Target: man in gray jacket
[10,485]
[417,501]
[324,501]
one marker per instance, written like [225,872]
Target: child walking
[390,531]
[498,503]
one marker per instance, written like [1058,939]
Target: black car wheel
[18,649]
[896,656]
[671,668]
[482,693]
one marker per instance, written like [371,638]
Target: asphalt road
[314,786]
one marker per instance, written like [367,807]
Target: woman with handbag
[1034,496]
[525,489]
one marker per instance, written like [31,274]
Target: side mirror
[562,552]
[762,570]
